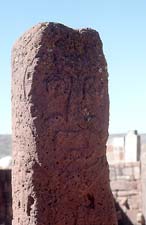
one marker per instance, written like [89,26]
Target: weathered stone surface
[60,111]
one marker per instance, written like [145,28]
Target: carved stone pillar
[60,110]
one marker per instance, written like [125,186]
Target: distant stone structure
[115,150]
[60,106]
[124,148]
[132,146]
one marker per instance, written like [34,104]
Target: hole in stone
[30,202]
[91,201]
[28,75]
[19,205]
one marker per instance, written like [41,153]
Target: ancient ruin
[60,111]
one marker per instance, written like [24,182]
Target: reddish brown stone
[60,120]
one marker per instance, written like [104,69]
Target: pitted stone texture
[60,111]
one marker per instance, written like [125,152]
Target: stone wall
[124,147]
[5,197]
[126,187]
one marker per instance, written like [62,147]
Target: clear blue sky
[122,27]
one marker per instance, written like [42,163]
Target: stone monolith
[60,110]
